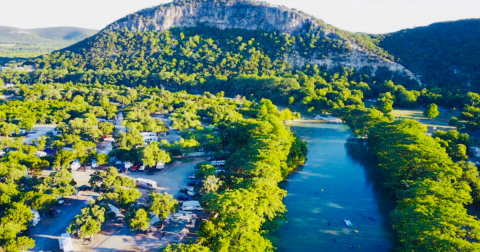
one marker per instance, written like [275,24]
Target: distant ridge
[15,42]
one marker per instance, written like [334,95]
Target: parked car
[151,171]
[192,176]
[183,198]
[85,188]
[54,213]
[60,202]
[194,184]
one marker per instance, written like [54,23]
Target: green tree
[138,219]
[152,155]
[431,111]
[162,205]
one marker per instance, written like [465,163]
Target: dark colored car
[151,171]
[183,198]
[194,184]
[85,188]
[54,213]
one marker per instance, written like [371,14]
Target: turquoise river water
[340,181]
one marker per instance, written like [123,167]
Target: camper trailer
[65,243]
[191,206]
[149,137]
[146,183]
[36,217]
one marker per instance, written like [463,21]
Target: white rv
[75,165]
[36,217]
[191,206]
[65,243]
[150,184]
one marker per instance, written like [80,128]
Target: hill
[186,43]
[443,54]
[16,42]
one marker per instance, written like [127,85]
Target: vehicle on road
[32,131]
[151,171]
[182,198]
[60,202]
[54,213]
[65,242]
[84,188]
[191,206]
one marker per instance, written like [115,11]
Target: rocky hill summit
[255,15]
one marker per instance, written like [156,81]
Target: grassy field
[439,123]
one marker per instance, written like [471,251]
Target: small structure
[149,137]
[41,154]
[65,243]
[75,165]
[114,209]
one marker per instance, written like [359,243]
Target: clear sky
[372,16]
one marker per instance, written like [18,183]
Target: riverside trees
[431,189]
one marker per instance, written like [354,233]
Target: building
[149,137]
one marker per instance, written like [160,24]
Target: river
[340,180]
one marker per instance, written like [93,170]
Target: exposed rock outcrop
[252,15]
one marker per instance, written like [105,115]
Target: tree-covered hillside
[444,54]
[16,42]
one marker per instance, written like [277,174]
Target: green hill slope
[444,54]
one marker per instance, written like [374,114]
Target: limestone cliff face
[232,14]
[251,15]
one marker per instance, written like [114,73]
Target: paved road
[42,130]
[47,232]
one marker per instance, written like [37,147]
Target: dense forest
[445,54]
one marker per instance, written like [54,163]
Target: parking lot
[48,230]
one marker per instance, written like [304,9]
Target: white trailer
[147,183]
[65,243]
[191,206]
[36,217]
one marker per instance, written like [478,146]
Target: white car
[192,176]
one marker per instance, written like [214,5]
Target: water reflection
[339,181]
